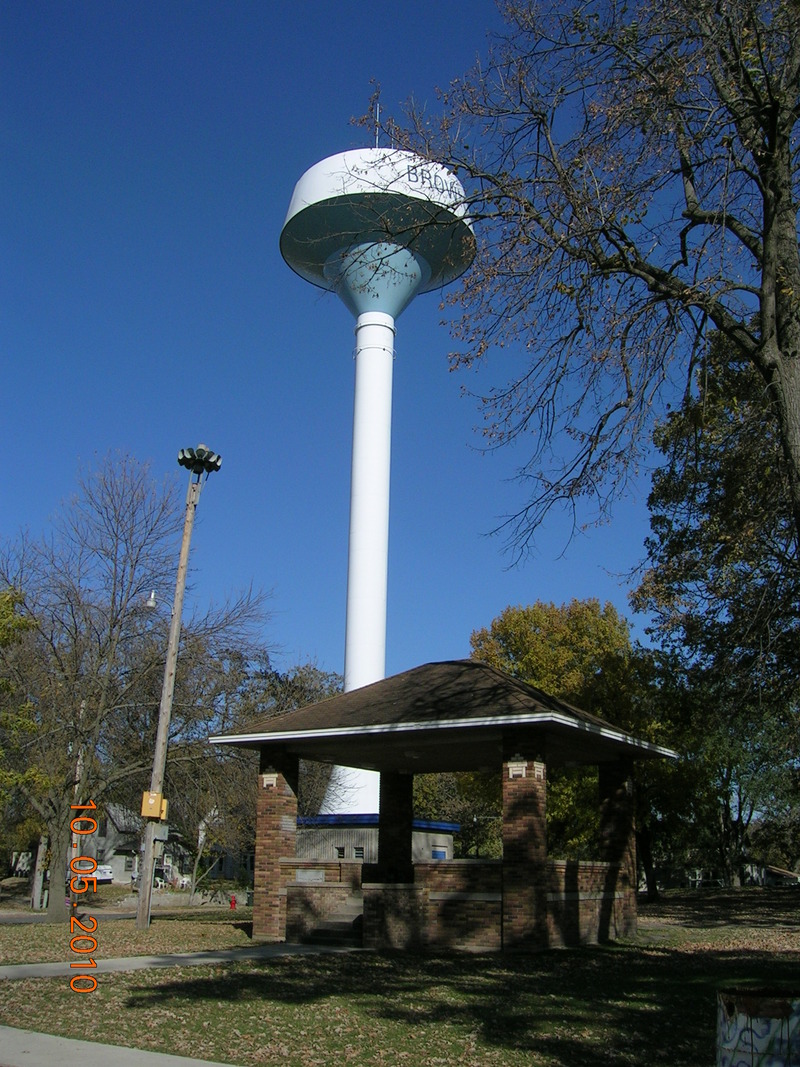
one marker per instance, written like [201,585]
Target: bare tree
[87,676]
[269,692]
[634,172]
[213,811]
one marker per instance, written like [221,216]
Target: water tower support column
[367,568]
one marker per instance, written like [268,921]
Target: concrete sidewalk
[172,959]
[22,1048]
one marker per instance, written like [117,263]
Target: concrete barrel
[758,1027]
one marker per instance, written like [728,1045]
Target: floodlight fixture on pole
[198,461]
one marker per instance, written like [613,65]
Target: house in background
[117,841]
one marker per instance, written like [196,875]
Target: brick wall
[460,876]
[276,827]
[347,872]
[462,904]
[458,905]
[394,916]
[308,905]
[312,877]
[587,902]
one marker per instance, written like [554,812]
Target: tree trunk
[58,831]
[779,356]
[788,377]
[644,851]
[38,874]
[195,879]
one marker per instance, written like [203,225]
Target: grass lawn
[190,930]
[645,1002]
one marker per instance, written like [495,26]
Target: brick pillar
[618,847]
[524,917]
[395,828]
[276,835]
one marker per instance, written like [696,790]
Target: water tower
[376,227]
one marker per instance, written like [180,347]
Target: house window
[129,863]
[358,852]
[340,852]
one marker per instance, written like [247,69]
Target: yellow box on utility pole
[152,805]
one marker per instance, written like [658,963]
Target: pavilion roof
[440,716]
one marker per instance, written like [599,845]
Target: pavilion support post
[276,838]
[524,914]
[395,827]
[618,848]
[393,905]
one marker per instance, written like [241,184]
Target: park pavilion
[453,716]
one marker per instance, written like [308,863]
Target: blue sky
[149,154]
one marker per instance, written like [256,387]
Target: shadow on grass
[714,908]
[613,1005]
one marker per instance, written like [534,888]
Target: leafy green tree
[722,585]
[561,649]
[776,842]
[649,695]
[722,576]
[12,624]
[472,800]
[634,172]
[581,652]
